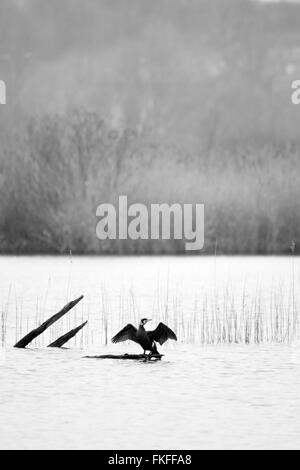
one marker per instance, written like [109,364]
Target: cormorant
[146,339]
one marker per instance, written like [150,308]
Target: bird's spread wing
[161,334]
[128,333]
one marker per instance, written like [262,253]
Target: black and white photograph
[149,227]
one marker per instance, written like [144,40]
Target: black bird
[146,339]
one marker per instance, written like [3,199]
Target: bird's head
[144,321]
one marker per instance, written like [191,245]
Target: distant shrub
[56,169]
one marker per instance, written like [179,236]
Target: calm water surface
[198,396]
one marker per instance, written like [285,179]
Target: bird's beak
[150,319]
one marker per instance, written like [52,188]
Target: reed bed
[212,317]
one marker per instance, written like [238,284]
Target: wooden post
[22,343]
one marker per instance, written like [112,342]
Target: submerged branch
[22,343]
[145,357]
[58,343]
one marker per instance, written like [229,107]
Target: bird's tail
[154,349]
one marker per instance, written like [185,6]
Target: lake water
[207,392]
